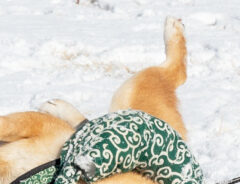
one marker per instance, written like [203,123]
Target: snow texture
[82,53]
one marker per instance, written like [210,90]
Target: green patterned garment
[43,177]
[124,141]
[43,174]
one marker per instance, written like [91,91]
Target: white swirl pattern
[130,140]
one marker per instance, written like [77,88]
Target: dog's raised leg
[176,51]
[153,90]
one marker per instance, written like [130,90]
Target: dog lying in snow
[34,138]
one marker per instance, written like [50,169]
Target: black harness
[36,170]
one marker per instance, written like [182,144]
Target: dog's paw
[173,27]
[53,107]
[63,110]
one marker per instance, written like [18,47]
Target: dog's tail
[176,51]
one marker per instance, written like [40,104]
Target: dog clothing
[125,141]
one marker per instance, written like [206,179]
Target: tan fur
[153,89]
[36,138]
[127,178]
[31,136]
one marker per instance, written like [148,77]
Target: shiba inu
[34,138]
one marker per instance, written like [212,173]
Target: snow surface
[82,53]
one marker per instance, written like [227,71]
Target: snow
[82,53]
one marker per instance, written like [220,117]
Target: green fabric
[125,141]
[43,177]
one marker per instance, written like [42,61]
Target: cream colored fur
[35,138]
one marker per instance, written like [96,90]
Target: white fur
[171,25]
[62,110]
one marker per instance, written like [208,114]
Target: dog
[153,90]
[34,138]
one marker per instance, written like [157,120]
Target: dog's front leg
[25,125]
[63,110]
[18,126]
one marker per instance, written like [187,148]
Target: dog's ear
[63,110]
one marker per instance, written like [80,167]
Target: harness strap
[233,181]
[80,125]
[36,170]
